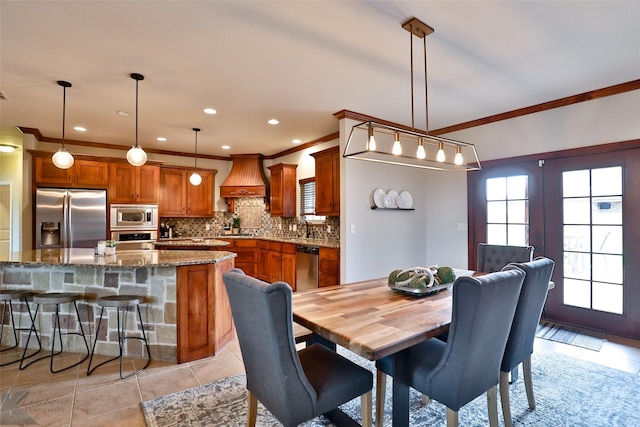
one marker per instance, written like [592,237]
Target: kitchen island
[186,312]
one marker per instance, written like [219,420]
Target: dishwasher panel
[306,267]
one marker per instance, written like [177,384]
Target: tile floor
[102,399]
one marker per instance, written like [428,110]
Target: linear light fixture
[385,143]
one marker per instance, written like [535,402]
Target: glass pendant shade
[195,179]
[136,156]
[62,159]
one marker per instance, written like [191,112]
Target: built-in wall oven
[135,227]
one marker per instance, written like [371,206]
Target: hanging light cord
[137,81]
[412,109]
[426,98]
[195,158]
[64,109]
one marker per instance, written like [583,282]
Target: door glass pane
[577,238]
[575,183]
[607,210]
[607,239]
[593,244]
[517,187]
[577,211]
[607,297]
[606,181]
[517,211]
[517,234]
[577,293]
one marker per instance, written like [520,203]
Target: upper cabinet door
[46,173]
[328,182]
[91,173]
[179,198]
[283,190]
[133,184]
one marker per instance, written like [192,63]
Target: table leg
[317,339]
[400,389]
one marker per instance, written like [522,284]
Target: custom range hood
[246,179]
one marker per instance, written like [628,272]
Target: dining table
[374,321]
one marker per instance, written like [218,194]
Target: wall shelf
[392,209]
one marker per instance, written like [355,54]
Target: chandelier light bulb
[136,156]
[421,154]
[62,159]
[372,140]
[195,179]
[397,148]
[458,158]
[440,156]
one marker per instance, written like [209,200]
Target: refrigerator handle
[67,221]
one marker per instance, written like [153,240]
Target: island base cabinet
[204,322]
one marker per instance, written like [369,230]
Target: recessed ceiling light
[226,147]
[124,113]
[4,148]
[161,139]
[296,141]
[210,111]
[273,122]
[80,129]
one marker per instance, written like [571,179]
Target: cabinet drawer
[263,244]
[288,248]
[329,253]
[246,243]
[275,246]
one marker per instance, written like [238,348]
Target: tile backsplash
[254,221]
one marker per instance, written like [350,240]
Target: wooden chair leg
[252,409]
[528,382]
[492,405]
[381,388]
[452,418]
[504,399]
[366,403]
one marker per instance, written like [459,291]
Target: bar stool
[8,297]
[55,298]
[121,303]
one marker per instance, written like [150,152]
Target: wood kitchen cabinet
[282,263]
[283,190]
[328,267]
[133,184]
[203,314]
[328,181]
[247,254]
[83,173]
[179,198]
[263,260]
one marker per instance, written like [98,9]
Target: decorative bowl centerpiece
[422,280]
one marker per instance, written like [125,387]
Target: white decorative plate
[394,197]
[388,201]
[400,202]
[408,199]
[378,196]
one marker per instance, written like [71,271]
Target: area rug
[572,336]
[569,392]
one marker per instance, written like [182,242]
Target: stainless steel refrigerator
[70,218]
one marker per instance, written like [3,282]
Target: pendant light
[62,158]
[195,179]
[136,155]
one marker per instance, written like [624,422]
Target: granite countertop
[194,241]
[121,259]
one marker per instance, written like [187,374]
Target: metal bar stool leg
[8,297]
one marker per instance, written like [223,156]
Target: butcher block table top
[370,319]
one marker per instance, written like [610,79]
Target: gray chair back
[264,325]
[483,310]
[525,322]
[493,258]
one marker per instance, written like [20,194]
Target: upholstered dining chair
[523,329]
[494,257]
[295,386]
[457,371]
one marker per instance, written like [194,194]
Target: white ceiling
[297,61]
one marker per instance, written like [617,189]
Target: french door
[584,213]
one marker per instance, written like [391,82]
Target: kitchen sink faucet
[306,223]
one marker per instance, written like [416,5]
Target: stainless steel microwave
[138,217]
